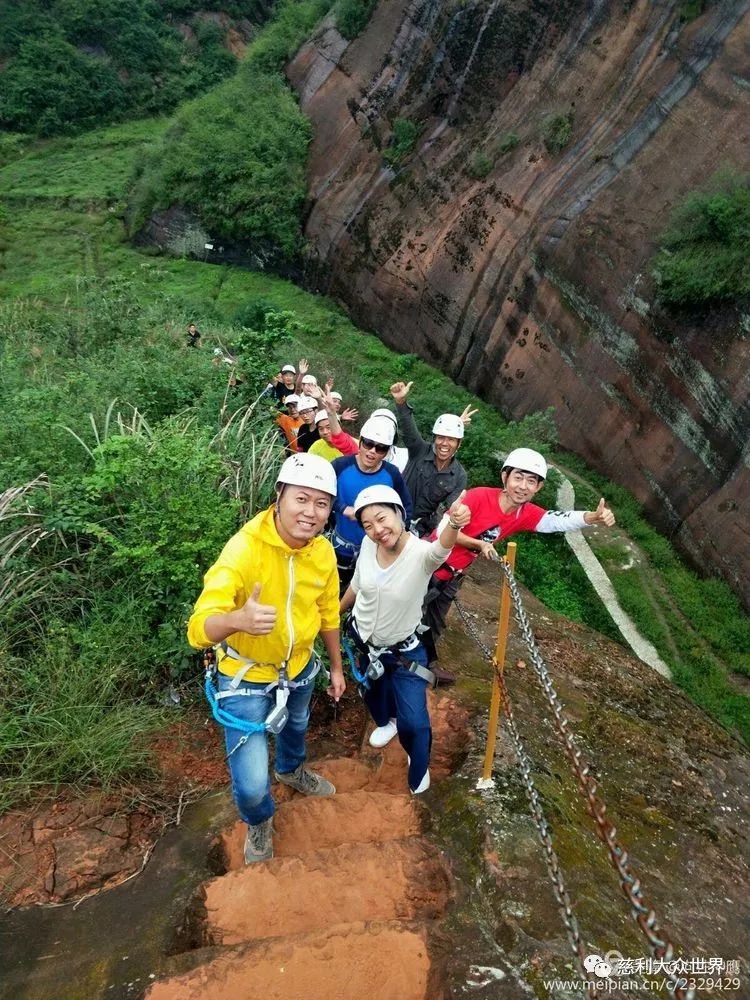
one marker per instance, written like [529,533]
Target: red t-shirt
[489,523]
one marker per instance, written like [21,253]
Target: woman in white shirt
[390,581]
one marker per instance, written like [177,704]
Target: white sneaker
[383,735]
[423,785]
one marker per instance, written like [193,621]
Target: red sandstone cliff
[532,285]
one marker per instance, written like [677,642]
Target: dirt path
[643,649]
[347,905]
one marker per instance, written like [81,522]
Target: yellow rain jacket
[302,584]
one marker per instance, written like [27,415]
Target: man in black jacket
[433,474]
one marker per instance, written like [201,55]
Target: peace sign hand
[466,416]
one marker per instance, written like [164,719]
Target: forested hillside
[70,65]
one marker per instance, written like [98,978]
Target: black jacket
[432,491]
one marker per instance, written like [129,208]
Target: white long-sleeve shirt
[388,606]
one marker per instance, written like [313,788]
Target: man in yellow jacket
[273,589]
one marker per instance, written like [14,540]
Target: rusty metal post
[499,663]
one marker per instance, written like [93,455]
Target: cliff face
[532,284]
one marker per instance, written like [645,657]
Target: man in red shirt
[497,514]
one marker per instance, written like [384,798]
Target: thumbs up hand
[602,515]
[458,513]
[256,618]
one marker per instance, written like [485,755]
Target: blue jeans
[402,696]
[248,766]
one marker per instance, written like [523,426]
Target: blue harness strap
[225,718]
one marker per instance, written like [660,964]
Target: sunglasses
[367,445]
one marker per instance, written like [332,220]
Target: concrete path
[594,570]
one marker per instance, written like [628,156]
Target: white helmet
[321,415]
[526,460]
[379,430]
[289,368]
[449,425]
[379,493]
[309,380]
[388,414]
[306,403]
[336,395]
[311,471]
[291,400]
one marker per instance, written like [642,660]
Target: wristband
[452,524]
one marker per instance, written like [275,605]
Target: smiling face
[520,485]
[288,379]
[382,524]
[308,416]
[301,514]
[445,447]
[324,429]
[370,455]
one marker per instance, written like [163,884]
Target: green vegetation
[508,142]
[403,141]
[353,16]
[479,166]
[557,131]
[70,65]
[704,253]
[98,566]
[236,156]
[691,9]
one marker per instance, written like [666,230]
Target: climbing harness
[643,914]
[364,652]
[279,713]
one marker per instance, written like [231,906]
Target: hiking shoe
[307,782]
[259,842]
[443,677]
[383,735]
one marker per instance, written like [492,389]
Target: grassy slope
[61,206]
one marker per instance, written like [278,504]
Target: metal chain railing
[537,813]
[642,913]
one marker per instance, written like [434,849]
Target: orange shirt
[290,426]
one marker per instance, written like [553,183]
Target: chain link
[641,911]
[537,813]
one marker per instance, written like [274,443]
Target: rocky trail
[346,906]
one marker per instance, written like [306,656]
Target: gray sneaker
[259,842]
[307,782]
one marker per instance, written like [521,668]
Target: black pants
[346,567]
[439,597]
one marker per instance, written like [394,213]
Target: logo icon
[597,965]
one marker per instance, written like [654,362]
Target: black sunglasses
[381,449]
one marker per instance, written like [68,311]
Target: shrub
[403,141]
[705,251]
[479,166]
[509,142]
[73,64]
[236,157]
[352,16]
[557,130]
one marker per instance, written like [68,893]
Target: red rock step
[309,824]
[401,879]
[387,961]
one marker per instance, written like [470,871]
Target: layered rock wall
[532,285]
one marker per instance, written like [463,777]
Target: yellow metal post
[502,640]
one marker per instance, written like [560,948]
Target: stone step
[347,962]
[312,824]
[398,879]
